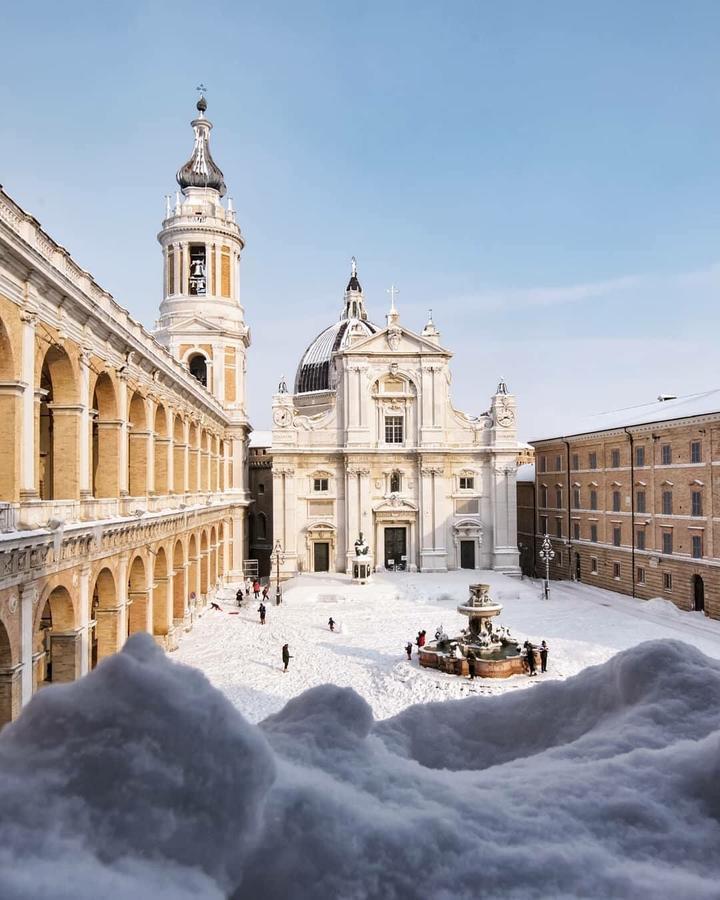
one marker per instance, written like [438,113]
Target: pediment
[395,504]
[396,340]
[194,325]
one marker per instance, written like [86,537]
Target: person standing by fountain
[543,656]
[471,660]
[408,649]
[530,650]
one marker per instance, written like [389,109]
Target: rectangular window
[640,575]
[320,484]
[261,488]
[593,533]
[697,546]
[640,502]
[593,499]
[593,565]
[575,461]
[576,531]
[667,505]
[667,544]
[667,581]
[666,454]
[467,483]
[467,506]
[696,452]
[393,429]
[558,528]
[617,536]
[616,571]
[558,498]
[616,501]
[543,524]
[615,459]
[696,503]
[576,498]
[558,463]
[543,497]
[593,460]
[543,463]
[639,457]
[640,538]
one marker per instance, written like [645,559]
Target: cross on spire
[392,290]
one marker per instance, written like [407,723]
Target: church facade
[369,442]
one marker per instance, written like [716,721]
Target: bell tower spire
[354,303]
[202,321]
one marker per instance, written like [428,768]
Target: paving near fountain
[582,625]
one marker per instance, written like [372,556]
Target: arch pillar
[163,455]
[67,419]
[181,592]
[10,692]
[66,655]
[109,458]
[29,435]
[140,447]
[85,427]
[161,607]
[124,469]
[28,599]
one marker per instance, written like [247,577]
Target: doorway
[396,548]
[698,594]
[578,571]
[321,556]
[467,554]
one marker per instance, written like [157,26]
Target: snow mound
[142,781]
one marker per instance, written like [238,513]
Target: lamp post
[279,557]
[546,554]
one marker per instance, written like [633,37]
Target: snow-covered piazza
[582,625]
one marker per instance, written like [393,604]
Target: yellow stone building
[123,472]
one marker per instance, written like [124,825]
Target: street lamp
[279,557]
[547,554]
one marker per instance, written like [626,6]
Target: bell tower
[202,321]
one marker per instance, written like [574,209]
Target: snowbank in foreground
[143,781]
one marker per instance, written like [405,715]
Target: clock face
[281,417]
[505,416]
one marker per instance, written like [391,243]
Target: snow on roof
[526,472]
[261,438]
[525,446]
[644,414]
[299,805]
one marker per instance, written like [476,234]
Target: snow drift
[141,780]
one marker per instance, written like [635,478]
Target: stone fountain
[496,653]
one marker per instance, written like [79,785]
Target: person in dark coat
[331,623]
[408,649]
[471,658]
[530,651]
[286,656]
[423,634]
[261,610]
[543,656]
[239,596]
[265,592]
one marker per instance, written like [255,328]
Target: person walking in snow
[265,592]
[408,649]
[331,623]
[286,656]
[530,651]
[256,588]
[239,596]
[543,656]
[261,610]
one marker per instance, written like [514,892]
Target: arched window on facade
[198,368]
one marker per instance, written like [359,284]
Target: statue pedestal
[361,569]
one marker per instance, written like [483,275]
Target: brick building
[631,500]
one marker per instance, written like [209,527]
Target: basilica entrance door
[467,554]
[321,556]
[396,548]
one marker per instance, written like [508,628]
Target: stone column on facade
[364,506]
[28,604]
[185,268]
[66,447]
[351,515]
[209,374]
[227,553]
[139,464]
[84,617]
[238,544]
[433,556]
[123,486]
[218,352]
[108,475]
[28,436]
[85,427]
[504,507]
[122,594]
[160,625]
[151,406]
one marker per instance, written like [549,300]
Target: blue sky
[543,175]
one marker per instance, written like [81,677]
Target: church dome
[313,373]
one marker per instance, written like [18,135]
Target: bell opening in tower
[198,270]
[198,368]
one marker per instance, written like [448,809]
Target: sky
[544,176]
